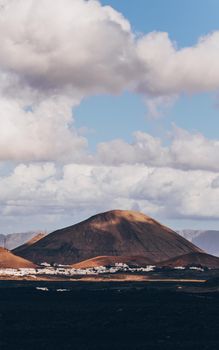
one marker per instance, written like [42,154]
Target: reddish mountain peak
[117,215]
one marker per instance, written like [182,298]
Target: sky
[108,105]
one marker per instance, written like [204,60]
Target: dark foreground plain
[106,316]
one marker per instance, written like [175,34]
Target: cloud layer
[186,151]
[79,190]
[179,180]
[54,54]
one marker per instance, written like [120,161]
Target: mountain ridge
[192,259]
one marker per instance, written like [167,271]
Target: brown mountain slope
[9,260]
[114,233]
[137,261]
[193,259]
[21,248]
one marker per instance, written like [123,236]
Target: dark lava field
[106,316]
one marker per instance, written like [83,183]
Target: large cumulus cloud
[64,44]
[80,45]
[65,50]
[53,54]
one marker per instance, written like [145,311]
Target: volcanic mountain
[113,233]
[193,259]
[9,260]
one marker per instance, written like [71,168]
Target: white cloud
[19,189]
[145,149]
[194,151]
[169,70]
[187,151]
[67,45]
[55,53]
[40,132]
[80,190]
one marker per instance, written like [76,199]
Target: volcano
[9,260]
[113,233]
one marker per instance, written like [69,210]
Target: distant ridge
[13,240]
[208,240]
[193,259]
[113,233]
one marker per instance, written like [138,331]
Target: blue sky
[91,138]
[104,117]
[185,21]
